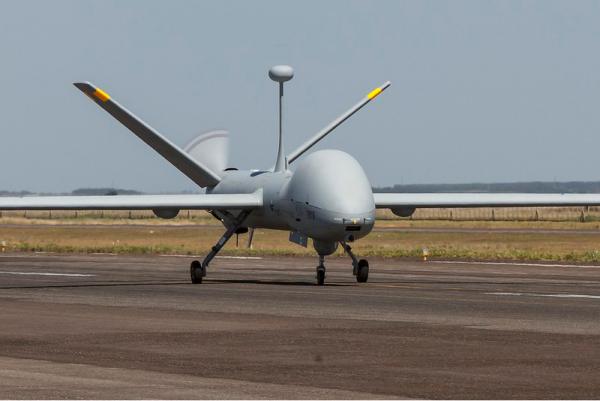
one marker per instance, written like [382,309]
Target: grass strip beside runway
[194,240]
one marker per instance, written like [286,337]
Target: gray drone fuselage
[327,198]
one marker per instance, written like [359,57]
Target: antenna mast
[281,74]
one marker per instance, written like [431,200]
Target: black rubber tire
[196,272]
[362,275]
[320,276]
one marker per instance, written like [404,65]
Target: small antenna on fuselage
[281,74]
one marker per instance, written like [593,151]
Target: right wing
[196,171]
[135,202]
[466,200]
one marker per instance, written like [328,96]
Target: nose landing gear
[321,270]
[360,268]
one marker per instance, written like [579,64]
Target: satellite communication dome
[281,73]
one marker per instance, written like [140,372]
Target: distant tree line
[584,187]
[15,193]
[105,191]
[79,191]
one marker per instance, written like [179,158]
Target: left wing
[135,202]
[464,200]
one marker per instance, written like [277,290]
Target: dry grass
[197,239]
[194,232]
[491,225]
[98,217]
[555,214]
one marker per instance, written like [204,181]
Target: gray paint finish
[128,202]
[449,200]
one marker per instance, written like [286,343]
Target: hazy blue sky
[481,91]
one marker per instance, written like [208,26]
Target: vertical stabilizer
[211,149]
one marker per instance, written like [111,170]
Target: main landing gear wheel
[360,268]
[362,274]
[196,272]
[320,275]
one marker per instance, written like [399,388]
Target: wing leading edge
[135,202]
[466,200]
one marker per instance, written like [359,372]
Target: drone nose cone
[281,73]
[336,194]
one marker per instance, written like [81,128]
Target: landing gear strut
[197,269]
[360,268]
[321,270]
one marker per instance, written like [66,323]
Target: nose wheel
[320,275]
[321,271]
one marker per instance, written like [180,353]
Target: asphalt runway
[101,326]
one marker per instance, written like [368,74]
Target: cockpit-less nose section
[335,204]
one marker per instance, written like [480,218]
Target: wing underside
[135,202]
[466,200]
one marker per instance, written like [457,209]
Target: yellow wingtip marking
[374,93]
[101,95]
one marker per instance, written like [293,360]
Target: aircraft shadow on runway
[278,283]
[163,283]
